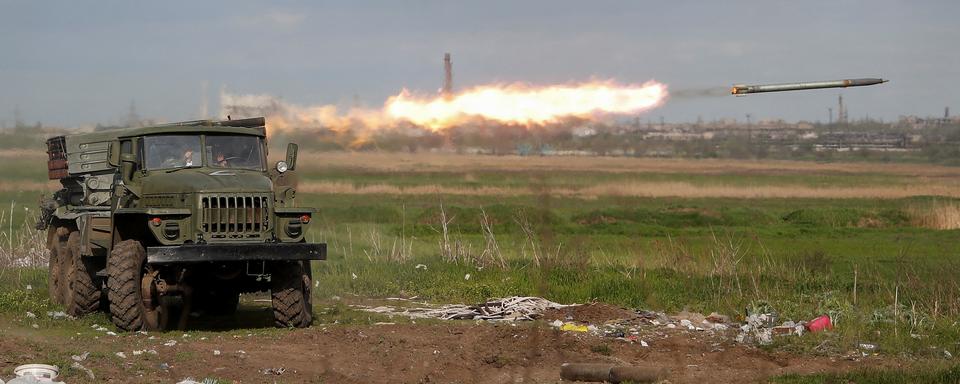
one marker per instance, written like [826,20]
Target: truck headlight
[294,228]
[171,231]
[281,166]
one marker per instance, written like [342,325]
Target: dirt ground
[424,352]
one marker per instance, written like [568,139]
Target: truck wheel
[290,294]
[55,278]
[134,302]
[82,294]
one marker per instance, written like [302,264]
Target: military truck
[158,223]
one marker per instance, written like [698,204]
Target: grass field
[874,245]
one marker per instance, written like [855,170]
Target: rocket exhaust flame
[513,104]
[526,105]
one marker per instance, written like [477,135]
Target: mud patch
[594,313]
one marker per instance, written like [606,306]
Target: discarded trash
[353,275]
[508,309]
[947,354]
[867,347]
[191,380]
[121,355]
[170,343]
[574,327]
[421,266]
[466,277]
[58,315]
[273,371]
[820,323]
[35,374]
[80,357]
[31,315]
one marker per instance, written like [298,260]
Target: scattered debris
[216,352]
[76,365]
[80,357]
[820,323]
[121,355]
[466,277]
[191,380]
[59,315]
[31,315]
[170,343]
[574,327]
[717,318]
[947,354]
[421,266]
[508,309]
[273,371]
[867,346]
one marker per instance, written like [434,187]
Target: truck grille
[235,215]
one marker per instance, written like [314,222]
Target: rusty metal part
[594,372]
[149,289]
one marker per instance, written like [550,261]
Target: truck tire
[291,295]
[125,271]
[82,294]
[55,277]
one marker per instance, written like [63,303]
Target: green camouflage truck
[157,223]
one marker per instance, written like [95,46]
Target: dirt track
[436,352]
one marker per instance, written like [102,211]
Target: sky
[73,63]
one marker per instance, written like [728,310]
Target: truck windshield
[234,151]
[172,151]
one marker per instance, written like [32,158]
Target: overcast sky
[76,62]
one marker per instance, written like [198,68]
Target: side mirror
[291,156]
[114,153]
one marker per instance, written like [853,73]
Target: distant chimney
[447,89]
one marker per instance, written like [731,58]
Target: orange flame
[526,105]
[518,104]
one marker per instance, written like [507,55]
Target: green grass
[932,375]
[862,260]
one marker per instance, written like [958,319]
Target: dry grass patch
[432,162]
[936,215]
[653,189]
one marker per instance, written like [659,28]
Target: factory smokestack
[447,89]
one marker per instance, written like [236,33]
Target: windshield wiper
[177,169]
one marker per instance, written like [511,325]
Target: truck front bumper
[201,253]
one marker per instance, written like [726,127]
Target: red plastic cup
[819,324]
